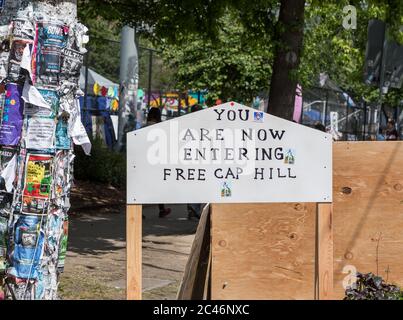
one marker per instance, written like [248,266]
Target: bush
[103,165]
[371,287]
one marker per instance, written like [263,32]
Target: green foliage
[230,67]
[207,49]
[103,55]
[330,48]
[371,287]
[103,165]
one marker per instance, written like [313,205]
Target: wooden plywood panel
[368,210]
[254,259]
[263,251]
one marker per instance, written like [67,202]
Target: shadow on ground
[96,257]
[104,230]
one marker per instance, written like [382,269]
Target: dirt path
[96,258]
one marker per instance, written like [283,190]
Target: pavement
[95,266]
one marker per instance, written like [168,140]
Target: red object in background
[1,295]
[218,101]
[104,91]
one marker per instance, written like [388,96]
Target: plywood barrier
[267,251]
[263,251]
[368,210]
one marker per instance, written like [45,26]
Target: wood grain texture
[254,256]
[263,251]
[134,252]
[368,210]
[325,251]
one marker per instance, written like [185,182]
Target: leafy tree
[230,67]
[104,47]
[298,38]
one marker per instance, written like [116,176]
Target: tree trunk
[290,32]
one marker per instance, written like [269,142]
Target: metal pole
[128,86]
[179,104]
[86,79]
[365,119]
[326,106]
[150,70]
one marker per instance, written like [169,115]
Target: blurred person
[320,126]
[391,133]
[380,136]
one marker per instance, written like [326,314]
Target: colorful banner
[12,117]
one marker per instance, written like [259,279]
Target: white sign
[228,154]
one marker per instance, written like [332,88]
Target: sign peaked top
[229,153]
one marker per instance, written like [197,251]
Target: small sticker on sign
[226,190]
[258,116]
[289,156]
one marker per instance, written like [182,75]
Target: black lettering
[230,173]
[246,115]
[279,173]
[188,154]
[290,175]
[259,171]
[276,134]
[243,153]
[188,133]
[278,153]
[244,133]
[202,175]
[266,155]
[191,173]
[214,153]
[167,172]
[204,134]
[239,171]
[219,113]
[259,136]
[216,172]
[233,115]
[219,136]
[229,154]
[179,173]
[199,154]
